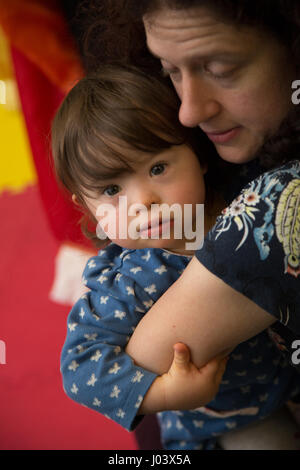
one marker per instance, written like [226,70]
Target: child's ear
[74,199]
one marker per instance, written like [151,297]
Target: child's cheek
[107,222]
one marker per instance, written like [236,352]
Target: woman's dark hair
[107,114]
[114,32]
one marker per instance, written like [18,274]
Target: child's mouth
[156,228]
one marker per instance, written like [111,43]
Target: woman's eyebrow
[212,55]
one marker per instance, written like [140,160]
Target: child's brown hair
[117,107]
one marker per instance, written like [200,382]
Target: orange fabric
[39,30]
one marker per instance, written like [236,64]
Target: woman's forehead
[195,32]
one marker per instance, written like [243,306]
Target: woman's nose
[198,103]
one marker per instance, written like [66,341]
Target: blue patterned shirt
[98,373]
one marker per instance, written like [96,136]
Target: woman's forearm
[201,311]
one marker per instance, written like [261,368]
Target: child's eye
[157,169]
[111,190]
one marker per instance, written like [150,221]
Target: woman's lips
[223,137]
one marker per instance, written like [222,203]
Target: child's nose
[145,195]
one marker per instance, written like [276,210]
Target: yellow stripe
[16,165]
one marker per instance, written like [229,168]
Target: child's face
[173,176]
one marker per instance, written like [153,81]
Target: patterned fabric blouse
[255,248]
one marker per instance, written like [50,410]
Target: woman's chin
[236,155]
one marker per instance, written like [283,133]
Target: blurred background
[43,252]
[42,249]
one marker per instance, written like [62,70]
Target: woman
[234,76]
[232,64]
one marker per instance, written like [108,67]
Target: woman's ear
[74,199]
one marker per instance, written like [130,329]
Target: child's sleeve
[96,370]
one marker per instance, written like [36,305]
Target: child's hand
[185,387]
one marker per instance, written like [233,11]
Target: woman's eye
[111,190]
[173,74]
[157,169]
[219,73]
[220,76]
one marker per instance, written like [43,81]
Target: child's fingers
[216,366]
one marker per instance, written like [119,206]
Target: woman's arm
[201,311]
[96,370]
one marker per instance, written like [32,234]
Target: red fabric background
[40,99]
[35,413]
